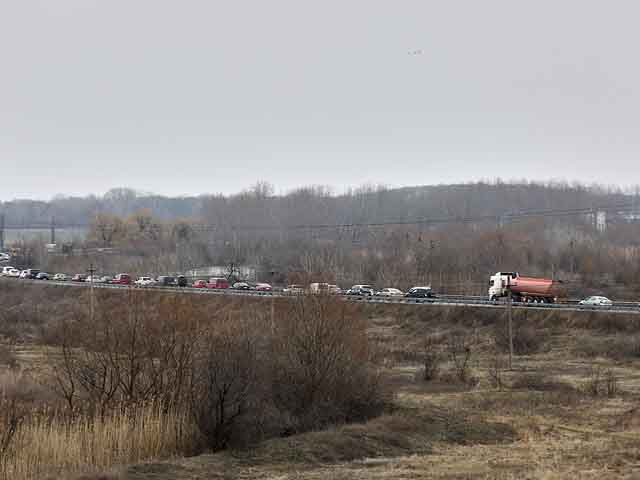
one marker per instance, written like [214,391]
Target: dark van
[166,281]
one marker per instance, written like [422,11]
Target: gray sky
[194,96]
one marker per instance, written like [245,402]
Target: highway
[440,300]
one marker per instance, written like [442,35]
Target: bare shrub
[431,358]
[459,346]
[322,373]
[611,383]
[125,356]
[224,379]
[527,339]
[240,375]
[601,382]
[497,366]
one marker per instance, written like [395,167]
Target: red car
[263,287]
[122,279]
[199,284]
[217,282]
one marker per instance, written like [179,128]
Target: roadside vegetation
[154,376]
[306,388]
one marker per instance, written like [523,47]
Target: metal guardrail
[440,300]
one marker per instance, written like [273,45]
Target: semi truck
[525,289]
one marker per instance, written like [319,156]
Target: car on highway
[166,281]
[13,273]
[24,274]
[263,287]
[361,290]
[105,279]
[5,271]
[218,283]
[32,273]
[390,292]
[42,276]
[294,289]
[92,279]
[61,277]
[182,281]
[242,286]
[199,284]
[4,257]
[419,292]
[122,279]
[596,300]
[79,277]
[145,282]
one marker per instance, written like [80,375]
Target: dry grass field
[568,408]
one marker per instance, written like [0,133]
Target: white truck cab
[499,284]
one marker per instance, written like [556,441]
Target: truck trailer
[525,289]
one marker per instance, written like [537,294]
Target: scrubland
[315,389]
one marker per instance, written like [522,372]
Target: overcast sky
[195,96]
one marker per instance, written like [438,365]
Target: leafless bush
[225,377]
[601,382]
[431,358]
[496,369]
[322,372]
[241,374]
[460,346]
[527,339]
[125,356]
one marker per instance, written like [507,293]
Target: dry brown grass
[45,446]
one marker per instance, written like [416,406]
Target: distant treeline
[259,206]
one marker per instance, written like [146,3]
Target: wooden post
[92,272]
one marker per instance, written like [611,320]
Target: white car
[390,292]
[294,289]
[14,272]
[596,300]
[60,277]
[5,271]
[24,274]
[4,257]
[144,281]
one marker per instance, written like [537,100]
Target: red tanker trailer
[525,289]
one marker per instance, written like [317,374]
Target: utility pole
[510,326]
[92,272]
[53,230]
[2,231]
[273,315]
